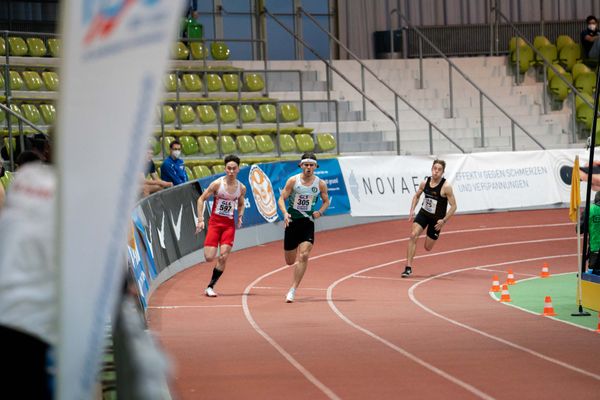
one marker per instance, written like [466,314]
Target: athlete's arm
[285,193]
[415,201]
[209,191]
[241,204]
[447,190]
[324,197]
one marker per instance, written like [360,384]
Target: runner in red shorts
[228,192]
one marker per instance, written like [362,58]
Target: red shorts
[220,231]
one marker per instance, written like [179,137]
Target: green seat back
[194,30]
[227,113]
[579,101]
[227,144]
[7,144]
[2,47]
[166,142]
[48,113]
[189,145]
[51,80]
[247,113]
[171,82]
[264,143]
[525,58]
[217,169]
[243,164]
[219,51]
[17,46]
[231,82]
[16,82]
[192,82]
[304,142]
[512,43]
[17,110]
[540,41]
[207,144]
[578,68]
[245,144]
[54,46]
[558,88]
[288,112]
[569,55]
[200,171]
[154,145]
[36,46]
[268,113]
[214,82]
[550,73]
[31,113]
[326,141]
[562,41]
[186,114]
[585,82]
[168,114]
[287,143]
[549,51]
[7,178]
[2,117]
[198,50]
[206,113]
[180,51]
[188,172]
[585,115]
[253,82]
[32,79]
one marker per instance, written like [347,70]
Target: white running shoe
[289,298]
[210,292]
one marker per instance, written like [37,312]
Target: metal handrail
[481,92]
[385,84]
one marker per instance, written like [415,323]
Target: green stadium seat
[200,171]
[168,114]
[32,79]
[7,179]
[562,41]
[227,114]
[540,41]
[16,82]
[525,58]
[207,144]
[7,144]
[180,51]
[2,117]
[268,113]
[194,30]
[54,46]
[192,82]
[199,52]
[549,51]
[253,82]
[51,80]
[189,173]
[585,115]
[550,72]
[219,51]
[231,82]
[154,145]
[585,82]
[512,43]
[218,169]
[247,113]
[579,101]
[31,113]
[172,82]
[17,110]
[558,88]
[48,113]
[186,114]
[206,113]
[166,142]
[288,112]
[569,55]
[286,143]
[2,47]
[17,46]
[227,144]
[264,143]
[189,145]
[304,142]
[214,82]
[578,68]
[245,144]
[326,142]
[36,46]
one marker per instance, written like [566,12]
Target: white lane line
[504,272]
[386,278]
[212,306]
[285,288]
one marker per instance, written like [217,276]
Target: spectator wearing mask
[172,169]
[589,38]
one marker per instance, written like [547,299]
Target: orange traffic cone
[495,284]
[548,308]
[598,329]
[510,280]
[505,297]
[545,271]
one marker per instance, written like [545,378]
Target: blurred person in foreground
[151,182]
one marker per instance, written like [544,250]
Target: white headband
[308,160]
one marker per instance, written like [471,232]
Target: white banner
[380,186]
[115,54]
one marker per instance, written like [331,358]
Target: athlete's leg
[303,254]
[415,232]
[290,256]
[429,243]
[210,253]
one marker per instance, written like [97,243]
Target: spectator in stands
[434,213]
[172,169]
[40,144]
[151,182]
[228,194]
[589,38]
[191,28]
[26,157]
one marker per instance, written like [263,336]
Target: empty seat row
[30,47]
[199,51]
[42,114]
[230,82]
[246,113]
[581,77]
[31,80]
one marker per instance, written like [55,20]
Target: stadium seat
[36,47]
[585,82]
[54,46]
[326,142]
[304,142]
[154,145]
[253,82]
[550,72]
[180,51]
[525,54]
[219,51]
[227,144]
[48,113]
[189,145]
[189,173]
[562,41]
[268,113]
[32,79]
[549,51]
[245,144]
[264,143]
[286,143]
[7,144]
[198,50]
[200,171]
[579,101]
[558,88]
[17,110]
[51,80]
[227,114]
[16,82]
[17,46]
[569,55]
[540,41]
[168,114]
[192,82]
[172,82]
[218,169]
[207,144]
[206,113]
[31,113]
[213,82]
[578,68]
[247,113]
[512,43]
[166,142]
[231,82]
[6,179]
[585,115]
[186,114]
[288,112]
[2,117]
[2,47]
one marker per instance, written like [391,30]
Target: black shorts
[427,221]
[298,231]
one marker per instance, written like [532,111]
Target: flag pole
[580,312]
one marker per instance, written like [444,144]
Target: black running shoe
[407,272]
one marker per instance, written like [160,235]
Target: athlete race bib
[224,208]
[429,205]
[303,202]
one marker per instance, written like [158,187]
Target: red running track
[359,331]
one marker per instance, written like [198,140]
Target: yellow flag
[575,191]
